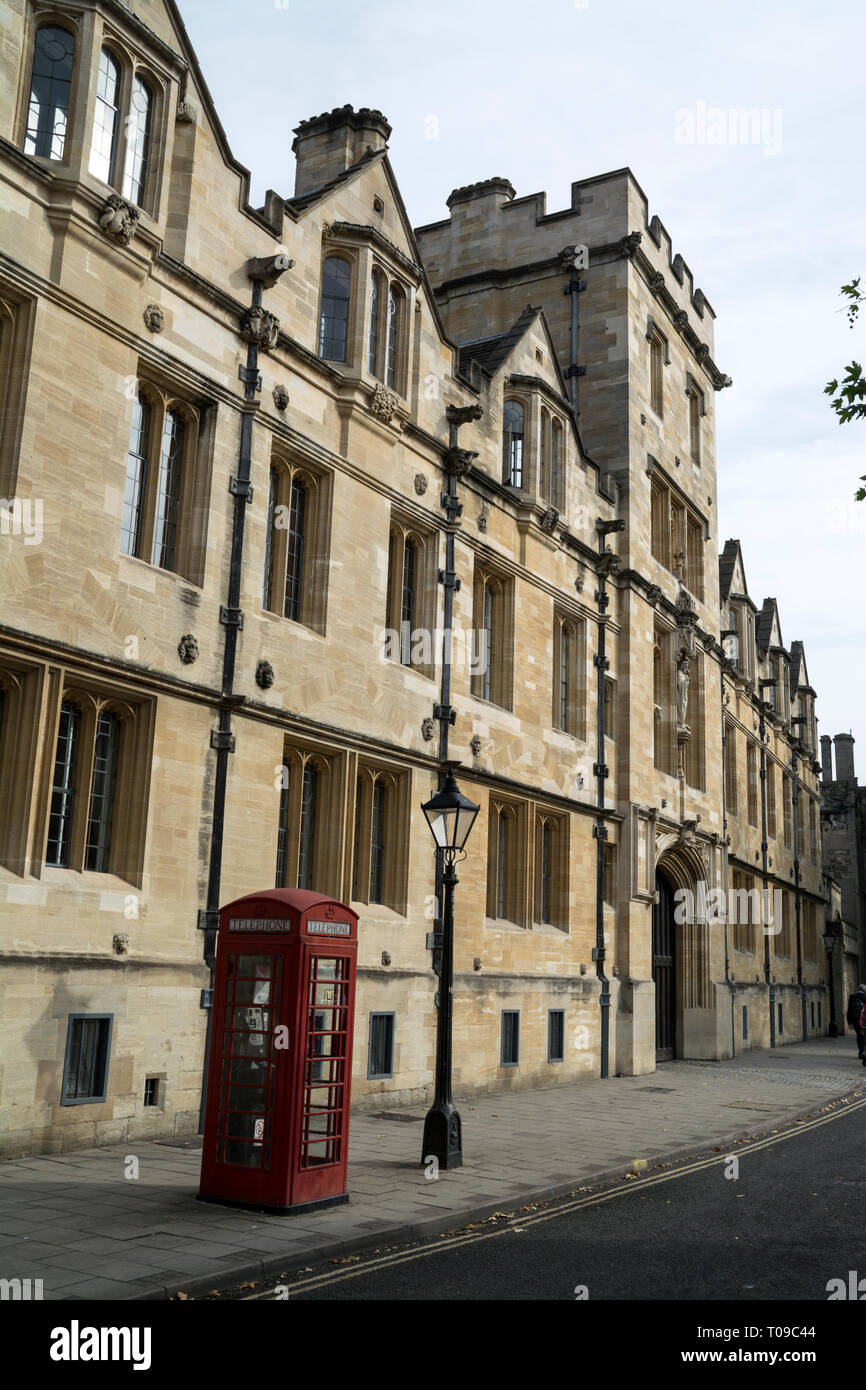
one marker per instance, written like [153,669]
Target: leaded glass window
[377,842]
[168,491]
[137,141]
[334,316]
[102,788]
[63,788]
[308,827]
[50,86]
[512,443]
[295,559]
[103,147]
[136,477]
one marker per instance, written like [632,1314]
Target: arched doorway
[665,969]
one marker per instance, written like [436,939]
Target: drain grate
[658,1090]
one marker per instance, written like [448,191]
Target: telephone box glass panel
[246,1103]
[325,1063]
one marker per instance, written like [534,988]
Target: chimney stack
[327,145]
[844,758]
[826,758]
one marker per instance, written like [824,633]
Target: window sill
[502,924]
[159,569]
[550,929]
[382,910]
[109,882]
[405,666]
[293,622]
[493,704]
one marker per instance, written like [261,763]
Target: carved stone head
[187,649]
[264,675]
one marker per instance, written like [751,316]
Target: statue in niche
[683,668]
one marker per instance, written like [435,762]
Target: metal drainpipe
[600,771]
[573,371]
[728,979]
[764,867]
[456,462]
[265,271]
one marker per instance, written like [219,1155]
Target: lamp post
[829,942]
[450,816]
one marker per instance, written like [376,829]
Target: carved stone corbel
[119,219]
[383,403]
[457,461]
[259,326]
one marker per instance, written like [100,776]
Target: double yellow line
[460,1239]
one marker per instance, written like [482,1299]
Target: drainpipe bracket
[250,376]
[232,617]
[241,487]
[445,712]
[223,742]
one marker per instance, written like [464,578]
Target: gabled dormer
[367,284]
[738,612]
[519,372]
[803,720]
[773,660]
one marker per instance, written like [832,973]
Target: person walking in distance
[855,1015]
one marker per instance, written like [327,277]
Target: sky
[770,220]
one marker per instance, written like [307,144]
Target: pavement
[94,1226]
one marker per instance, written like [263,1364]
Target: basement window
[85,1068]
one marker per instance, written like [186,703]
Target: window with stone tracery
[296,543]
[98,780]
[122,124]
[163,516]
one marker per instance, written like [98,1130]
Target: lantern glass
[450,816]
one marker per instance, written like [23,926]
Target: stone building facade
[234,440]
[843,834]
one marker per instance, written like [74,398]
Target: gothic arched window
[103,146]
[334,315]
[375,309]
[396,300]
[50,86]
[512,443]
[137,140]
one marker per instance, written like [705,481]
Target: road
[777,1224]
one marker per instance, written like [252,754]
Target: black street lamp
[450,816]
[830,936]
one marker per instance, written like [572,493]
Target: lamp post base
[443,1136]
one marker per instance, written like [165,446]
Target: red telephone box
[276,1132]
